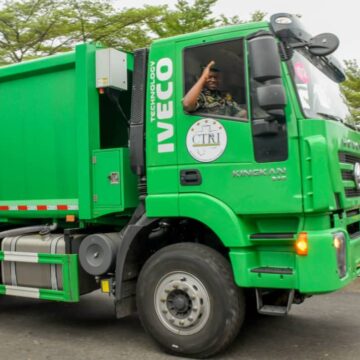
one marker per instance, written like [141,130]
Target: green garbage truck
[210,174]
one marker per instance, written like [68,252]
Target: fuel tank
[44,276]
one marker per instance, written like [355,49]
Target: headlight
[340,248]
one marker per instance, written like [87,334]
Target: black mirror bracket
[286,52]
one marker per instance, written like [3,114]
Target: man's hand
[190,99]
[206,72]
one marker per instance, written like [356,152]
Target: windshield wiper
[331,117]
[337,118]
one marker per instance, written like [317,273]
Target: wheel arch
[217,224]
[216,215]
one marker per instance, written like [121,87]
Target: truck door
[218,151]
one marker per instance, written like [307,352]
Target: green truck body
[50,111]
[249,189]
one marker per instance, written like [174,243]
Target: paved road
[324,327]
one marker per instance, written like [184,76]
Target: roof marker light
[282,20]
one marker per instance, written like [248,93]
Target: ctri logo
[161,103]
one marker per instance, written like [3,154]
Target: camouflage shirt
[218,103]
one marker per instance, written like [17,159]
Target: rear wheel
[188,302]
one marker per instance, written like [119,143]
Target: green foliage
[255,17]
[98,20]
[26,27]
[185,18]
[351,88]
[189,17]
[34,28]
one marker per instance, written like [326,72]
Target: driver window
[214,78]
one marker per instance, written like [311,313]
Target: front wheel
[188,302]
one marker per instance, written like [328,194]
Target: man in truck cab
[205,96]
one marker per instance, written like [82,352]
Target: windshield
[320,96]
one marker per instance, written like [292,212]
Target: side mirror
[265,69]
[264,57]
[323,44]
[268,98]
[271,97]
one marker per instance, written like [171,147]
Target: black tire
[224,315]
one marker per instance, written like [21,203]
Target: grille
[353,212]
[355,235]
[348,158]
[352,192]
[348,174]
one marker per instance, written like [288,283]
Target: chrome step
[271,309]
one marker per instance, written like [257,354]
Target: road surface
[324,327]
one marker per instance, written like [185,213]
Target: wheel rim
[182,303]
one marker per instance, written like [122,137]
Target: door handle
[190,177]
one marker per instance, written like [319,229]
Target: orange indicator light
[301,244]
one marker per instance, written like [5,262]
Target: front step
[273,270]
[271,309]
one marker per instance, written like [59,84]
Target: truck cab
[276,187]
[261,182]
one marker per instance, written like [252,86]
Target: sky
[319,16]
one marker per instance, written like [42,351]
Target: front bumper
[317,272]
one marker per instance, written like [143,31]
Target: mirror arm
[298,45]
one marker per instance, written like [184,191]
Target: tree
[98,20]
[196,16]
[351,88]
[255,17]
[185,18]
[33,28]
[25,27]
